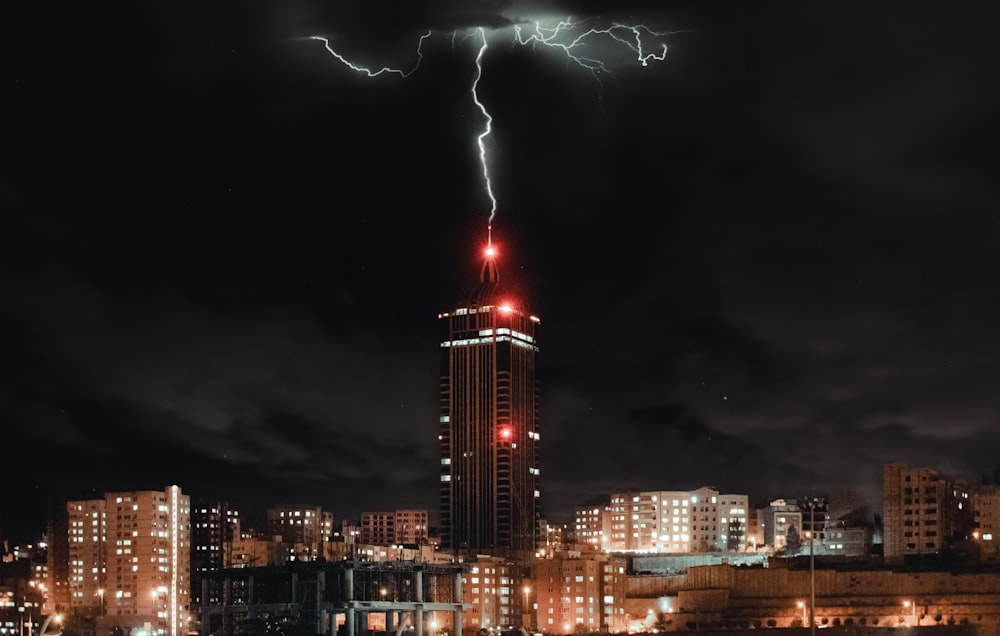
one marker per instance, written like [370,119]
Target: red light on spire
[490,251]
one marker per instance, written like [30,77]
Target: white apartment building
[676,521]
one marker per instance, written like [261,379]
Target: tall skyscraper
[489,435]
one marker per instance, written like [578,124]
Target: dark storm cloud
[763,265]
[271,392]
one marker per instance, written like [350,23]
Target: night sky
[767,263]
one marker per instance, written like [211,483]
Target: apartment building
[921,510]
[701,520]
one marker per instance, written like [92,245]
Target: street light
[100,592]
[812,565]
[913,610]
[52,617]
[526,615]
[802,606]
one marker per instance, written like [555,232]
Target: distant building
[701,520]
[408,526]
[986,510]
[378,528]
[411,526]
[301,527]
[793,527]
[781,519]
[215,527]
[552,537]
[922,512]
[589,526]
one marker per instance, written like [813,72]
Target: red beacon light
[505,432]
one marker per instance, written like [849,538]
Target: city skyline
[762,262]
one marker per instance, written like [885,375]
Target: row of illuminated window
[504,331]
[465,342]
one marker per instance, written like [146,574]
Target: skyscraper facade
[489,435]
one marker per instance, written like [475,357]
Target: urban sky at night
[766,263]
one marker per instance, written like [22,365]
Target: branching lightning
[374,73]
[585,48]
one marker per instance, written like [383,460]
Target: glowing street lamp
[100,592]
[913,611]
[52,617]
[802,606]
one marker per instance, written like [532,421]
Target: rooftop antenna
[489,272]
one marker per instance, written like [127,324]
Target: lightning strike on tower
[595,50]
[488,127]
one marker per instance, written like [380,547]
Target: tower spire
[489,273]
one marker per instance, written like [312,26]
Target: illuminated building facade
[489,591]
[148,557]
[589,526]
[303,528]
[920,510]
[489,435]
[214,527]
[692,521]
[85,555]
[579,593]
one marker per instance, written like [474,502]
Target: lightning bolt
[581,46]
[487,128]
[367,71]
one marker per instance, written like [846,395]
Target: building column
[226,600]
[205,622]
[458,598]
[420,600]
[350,604]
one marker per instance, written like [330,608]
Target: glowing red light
[506,309]
[490,251]
[505,433]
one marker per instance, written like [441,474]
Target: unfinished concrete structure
[335,598]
